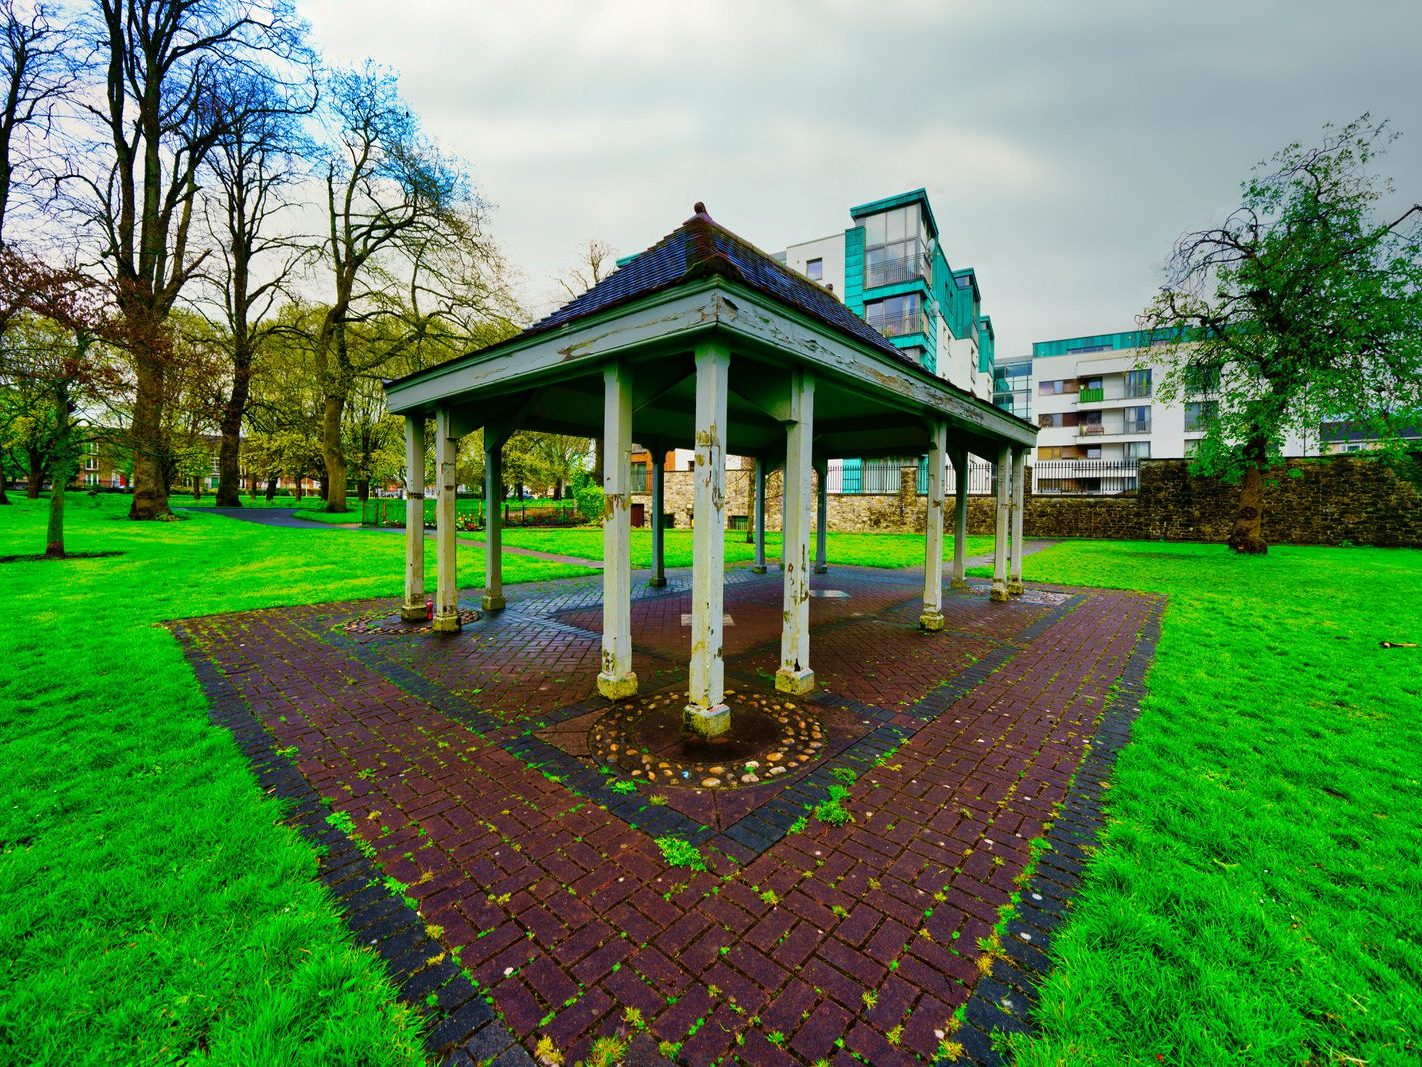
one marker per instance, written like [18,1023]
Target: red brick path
[859,939]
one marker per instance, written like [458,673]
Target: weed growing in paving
[678,852]
[832,811]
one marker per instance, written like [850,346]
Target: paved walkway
[463,764]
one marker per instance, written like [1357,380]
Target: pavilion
[705,342]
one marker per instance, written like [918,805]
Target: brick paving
[458,761]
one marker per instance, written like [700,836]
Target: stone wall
[1320,501]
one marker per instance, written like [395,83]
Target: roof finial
[699,209]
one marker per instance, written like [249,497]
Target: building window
[1138,383]
[1046,422]
[815,270]
[896,247]
[91,463]
[641,477]
[1050,388]
[1138,450]
[1137,420]
[1093,451]
[1199,414]
[91,479]
[897,315]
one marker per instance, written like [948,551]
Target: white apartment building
[1095,398]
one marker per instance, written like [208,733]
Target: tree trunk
[197,487]
[36,476]
[323,484]
[558,489]
[334,456]
[229,478]
[1245,537]
[363,490]
[150,486]
[300,492]
[54,535]
[272,487]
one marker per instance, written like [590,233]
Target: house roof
[702,248]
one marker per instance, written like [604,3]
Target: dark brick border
[1004,999]
[461,1028]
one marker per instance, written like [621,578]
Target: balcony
[1128,426]
[901,325]
[891,271]
[1102,395]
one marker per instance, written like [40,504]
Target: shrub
[590,502]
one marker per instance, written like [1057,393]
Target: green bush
[589,498]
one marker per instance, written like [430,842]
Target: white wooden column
[795,675]
[1003,470]
[960,518]
[1019,485]
[493,522]
[616,679]
[446,613]
[760,479]
[413,609]
[706,713]
[932,617]
[821,514]
[659,558]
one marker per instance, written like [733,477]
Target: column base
[1015,587]
[415,612]
[493,602]
[706,722]
[820,568]
[446,624]
[617,686]
[932,621]
[657,583]
[999,592]
[960,584]
[797,682]
[758,568]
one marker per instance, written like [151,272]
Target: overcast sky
[1064,145]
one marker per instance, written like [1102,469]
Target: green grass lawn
[1257,897]
[156,910]
[853,549]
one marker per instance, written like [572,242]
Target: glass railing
[900,268]
[900,325]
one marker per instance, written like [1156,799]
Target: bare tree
[254,167]
[597,259]
[37,71]
[405,247]
[163,65]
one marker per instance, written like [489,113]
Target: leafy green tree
[1304,305]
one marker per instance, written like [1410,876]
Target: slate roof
[702,248]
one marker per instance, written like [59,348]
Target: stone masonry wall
[1320,501]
